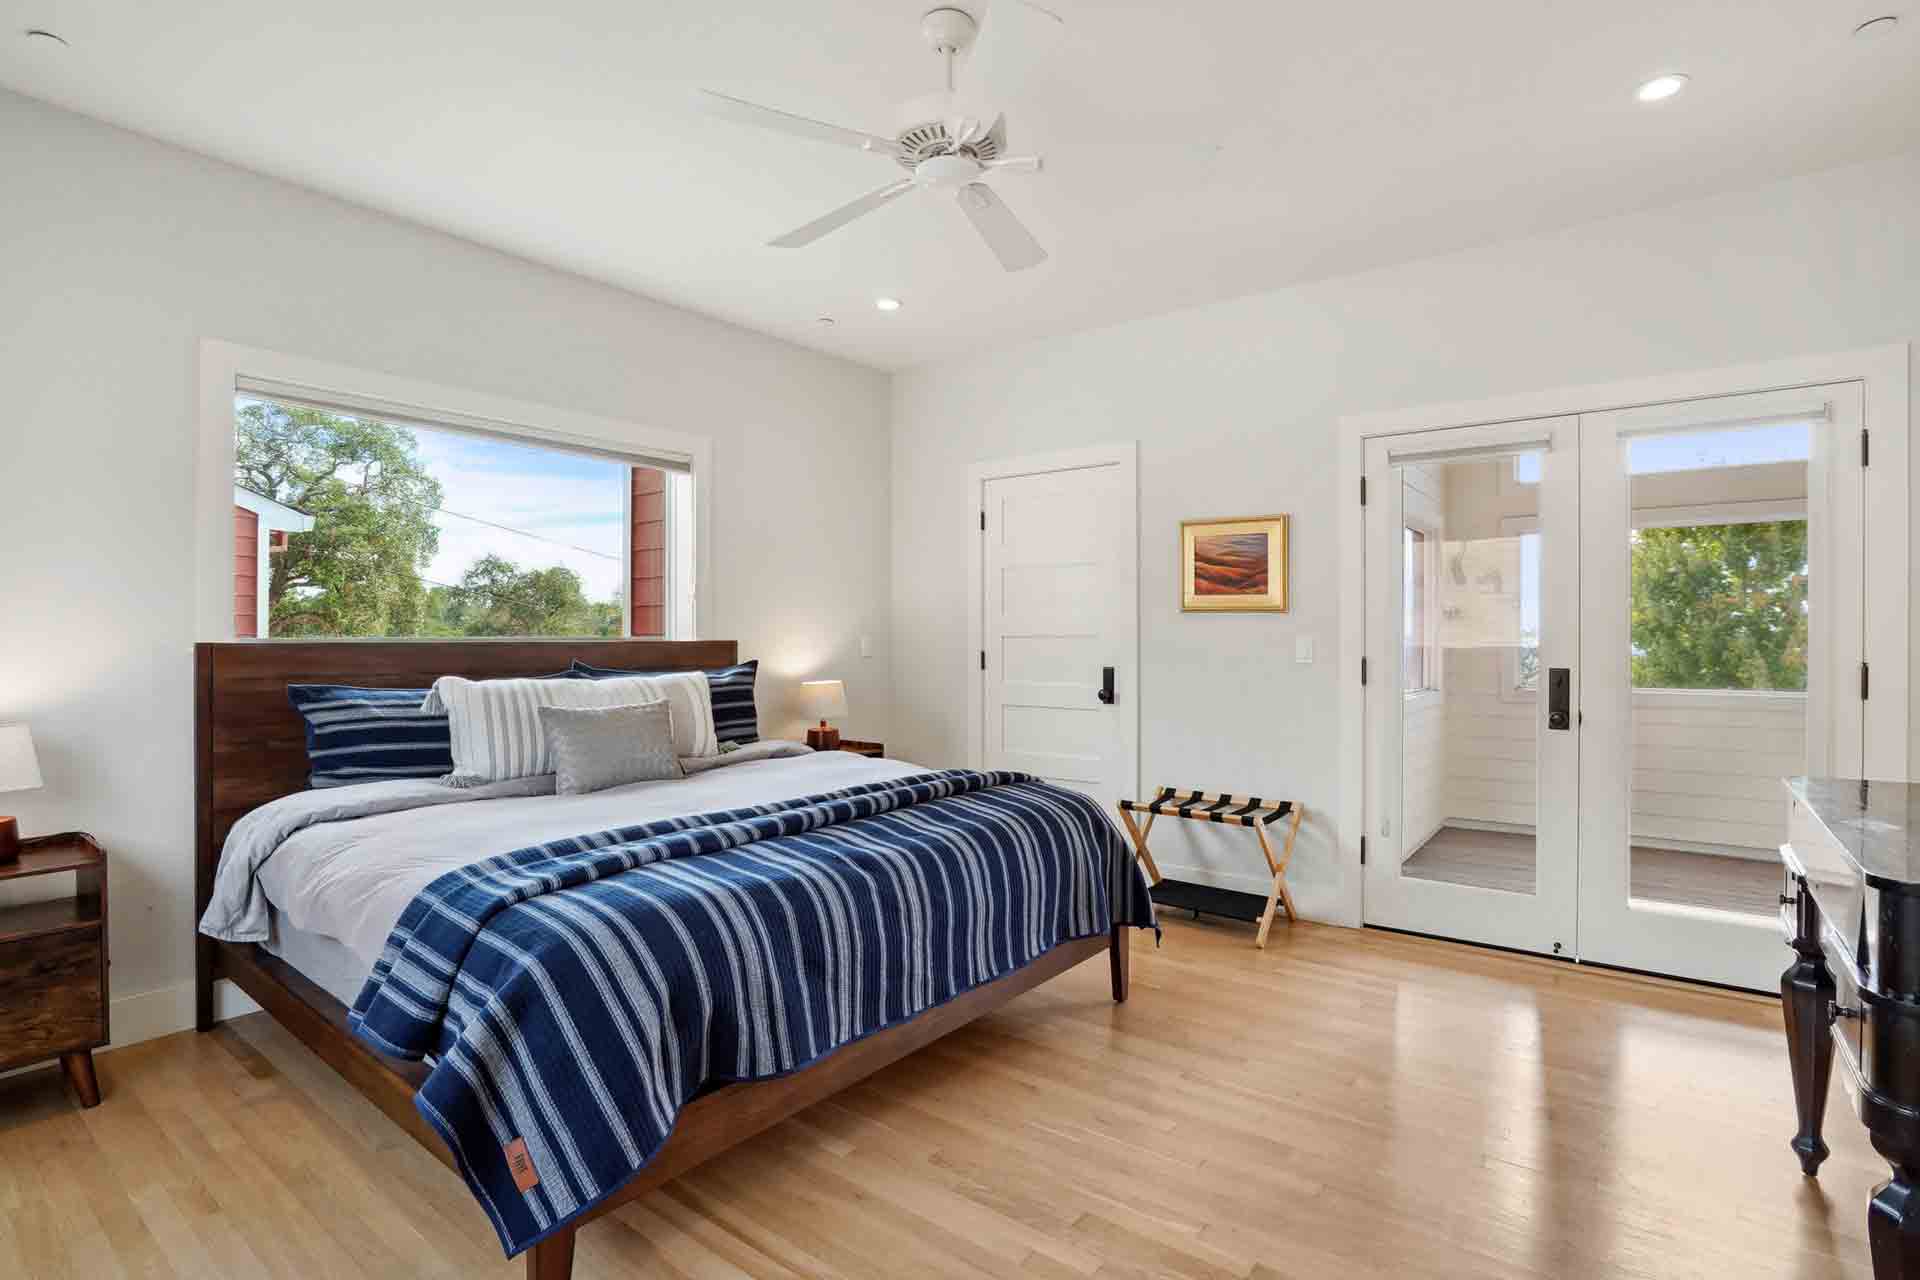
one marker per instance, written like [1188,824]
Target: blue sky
[569,509]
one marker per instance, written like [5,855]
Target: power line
[507,528]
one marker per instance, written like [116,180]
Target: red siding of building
[648,592]
[246,573]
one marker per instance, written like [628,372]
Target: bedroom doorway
[1595,644]
[1054,615]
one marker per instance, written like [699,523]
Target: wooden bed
[250,748]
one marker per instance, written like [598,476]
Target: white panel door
[1059,599]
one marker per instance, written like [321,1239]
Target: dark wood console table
[1851,911]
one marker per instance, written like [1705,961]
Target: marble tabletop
[1875,824]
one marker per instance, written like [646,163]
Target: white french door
[1472,822]
[1595,645]
[1682,806]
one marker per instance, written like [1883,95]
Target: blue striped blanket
[573,996]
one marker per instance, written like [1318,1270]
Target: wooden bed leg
[202,982]
[552,1258]
[1117,952]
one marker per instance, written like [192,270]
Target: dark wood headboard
[250,745]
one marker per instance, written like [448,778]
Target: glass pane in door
[1469,674]
[1718,578]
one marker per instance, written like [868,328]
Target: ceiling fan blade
[1015,39]
[744,112]
[843,215]
[1009,239]
[1016,164]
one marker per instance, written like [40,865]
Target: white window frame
[1431,543]
[224,366]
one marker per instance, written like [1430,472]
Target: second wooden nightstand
[53,963]
[860,748]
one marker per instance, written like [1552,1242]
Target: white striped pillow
[495,724]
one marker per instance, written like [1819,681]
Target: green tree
[357,573]
[496,597]
[1720,606]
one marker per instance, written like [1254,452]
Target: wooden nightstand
[860,748]
[53,963]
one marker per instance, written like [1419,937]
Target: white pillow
[495,724]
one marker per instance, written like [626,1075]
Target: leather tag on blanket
[522,1165]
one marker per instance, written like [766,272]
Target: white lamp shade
[19,766]
[823,699]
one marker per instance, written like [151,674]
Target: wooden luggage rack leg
[1230,810]
[1278,866]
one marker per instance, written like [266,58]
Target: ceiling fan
[953,141]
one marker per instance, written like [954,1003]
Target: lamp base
[824,737]
[9,840]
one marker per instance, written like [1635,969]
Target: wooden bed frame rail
[250,748]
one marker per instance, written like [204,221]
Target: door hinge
[1866,439]
[1863,682]
[1363,851]
[1363,491]
[983,521]
[1363,670]
[983,659]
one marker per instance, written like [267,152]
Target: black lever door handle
[1106,685]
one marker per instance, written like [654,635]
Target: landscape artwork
[1235,565]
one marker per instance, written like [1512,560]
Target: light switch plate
[866,646]
[1303,648]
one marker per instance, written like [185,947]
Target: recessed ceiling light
[1880,26]
[825,322]
[1660,88]
[38,35]
[887,304]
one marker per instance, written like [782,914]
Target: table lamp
[19,771]
[826,699]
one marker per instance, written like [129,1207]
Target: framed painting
[1234,566]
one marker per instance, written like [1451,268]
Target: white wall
[119,254]
[1236,405]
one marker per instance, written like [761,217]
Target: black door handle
[1106,685]
[1559,697]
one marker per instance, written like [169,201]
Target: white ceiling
[1349,135]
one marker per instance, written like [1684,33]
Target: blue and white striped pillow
[370,735]
[735,718]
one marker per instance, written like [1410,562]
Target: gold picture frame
[1234,566]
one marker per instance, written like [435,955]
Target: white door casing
[1883,373]
[1054,599]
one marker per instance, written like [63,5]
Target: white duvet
[345,862]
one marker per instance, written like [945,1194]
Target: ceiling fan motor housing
[948,30]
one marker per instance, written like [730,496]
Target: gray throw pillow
[594,748]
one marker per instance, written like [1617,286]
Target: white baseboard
[1315,902]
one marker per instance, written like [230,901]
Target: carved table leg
[79,1069]
[1806,995]
[1893,1227]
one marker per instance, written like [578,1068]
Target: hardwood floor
[1504,860]
[1344,1103]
